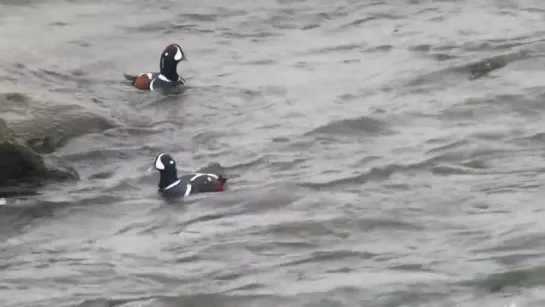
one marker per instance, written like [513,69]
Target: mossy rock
[22,166]
[18,162]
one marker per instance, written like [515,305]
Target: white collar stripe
[175,183]
[164,78]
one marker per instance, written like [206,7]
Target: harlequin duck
[167,77]
[172,186]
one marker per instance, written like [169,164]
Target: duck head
[171,56]
[166,166]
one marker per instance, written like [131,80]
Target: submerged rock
[38,124]
[47,124]
[485,66]
[21,168]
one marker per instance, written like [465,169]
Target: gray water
[367,168]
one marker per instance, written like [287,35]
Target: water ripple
[379,154]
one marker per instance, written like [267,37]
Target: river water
[367,168]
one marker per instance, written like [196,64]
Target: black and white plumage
[167,77]
[172,186]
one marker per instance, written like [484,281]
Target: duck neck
[167,178]
[168,69]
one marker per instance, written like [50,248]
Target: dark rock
[17,161]
[22,168]
[486,66]
[46,125]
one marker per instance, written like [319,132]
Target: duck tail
[221,183]
[130,78]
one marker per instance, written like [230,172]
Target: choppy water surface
[366,168]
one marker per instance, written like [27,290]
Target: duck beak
[184,58]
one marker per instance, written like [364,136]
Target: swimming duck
[172,186]
[167,77]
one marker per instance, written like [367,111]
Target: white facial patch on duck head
[158,164]
[179,54]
